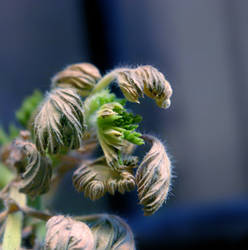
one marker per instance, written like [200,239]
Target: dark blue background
[201,46]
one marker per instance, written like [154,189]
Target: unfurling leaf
[81,76]
[94,102]
[34,169]
[11,154]
[59,123]
[134,83]
[110,232]
[153,176]
[131,86]
[37,176]
[64,233]
[115,126]
[97,178]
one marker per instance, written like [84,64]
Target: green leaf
[95,102]
[13,132]
[115,126]
[5,175]
[29,105]
[4,138]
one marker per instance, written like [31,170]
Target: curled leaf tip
[110,232]
[59,122]
[147,80]
[67,233]
[36,179]
[153,176]
[97,178]
[34,169]
[82,77]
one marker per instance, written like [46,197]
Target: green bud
[94,102]
[115,126]
[59,123]
[153,176]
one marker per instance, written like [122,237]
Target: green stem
[104,82]
[5,175]
[13,231]
[40,227]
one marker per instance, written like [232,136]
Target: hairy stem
[13,230]
[15,207]
[104,82]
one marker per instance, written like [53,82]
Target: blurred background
[201,47]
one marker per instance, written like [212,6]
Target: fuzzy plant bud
[34,169]
[97,178]
[115,126]
[59,122]
[37,176]
[110,232]
[153,177]
[12,155]
[82,77]
[147,80]
[106,117]
[64,233]
[131,86]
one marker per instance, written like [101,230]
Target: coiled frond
[81,76]
[64,233]
[37,176]
[134,83]
[153,176]
[97,178]
[59,123]
[114,127]
[110,232]
[35,170]
[94,102]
